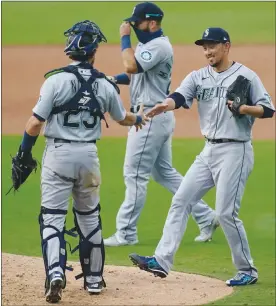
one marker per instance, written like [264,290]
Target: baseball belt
[135,108]
[59,140]
[223,140]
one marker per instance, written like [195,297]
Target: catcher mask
[83,39]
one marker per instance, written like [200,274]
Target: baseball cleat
[95,288]
[149,264]
[207,232]
[54,292]
[116,241]
[241,279]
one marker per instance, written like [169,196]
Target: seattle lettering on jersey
[204,94]
[210,89]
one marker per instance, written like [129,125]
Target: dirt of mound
[23,68]
[23,281]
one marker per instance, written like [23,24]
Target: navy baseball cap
[214,35]
[145,11]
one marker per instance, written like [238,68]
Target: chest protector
[84,99]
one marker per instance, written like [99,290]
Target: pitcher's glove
[238,92]
[22,166]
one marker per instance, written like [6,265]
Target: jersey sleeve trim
[39,117]
[179,100]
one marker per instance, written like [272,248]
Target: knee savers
[91,247]
[53,244]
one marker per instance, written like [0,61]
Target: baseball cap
[145,11]
[213,34]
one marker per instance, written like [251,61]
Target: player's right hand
[157,110]
[144,118]
[125,29]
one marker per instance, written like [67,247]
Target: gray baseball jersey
[226,165]
[210,88]
[60,88]
[156,59]
[148,152]
[73,168]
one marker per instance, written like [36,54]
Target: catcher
[226,159]
[72,100]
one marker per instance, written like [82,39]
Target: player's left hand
[23,165]
[238,94]
[229,104]
[157,110]
[125,29]
[144,118]
[241,108]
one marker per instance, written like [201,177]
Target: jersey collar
[215,74]
[75,63]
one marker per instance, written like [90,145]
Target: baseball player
[226,121]
[73,100]
[149,151]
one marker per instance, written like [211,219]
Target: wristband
[122,79]
[268,112]
[138,120]
[179,100]
[125,42]
[27,142]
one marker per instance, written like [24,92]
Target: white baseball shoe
[207,232]
[114,240]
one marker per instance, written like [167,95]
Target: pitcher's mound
[23,284]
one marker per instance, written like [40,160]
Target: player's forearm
[128,56]
[257,111]
[129,120]
[33,126]
[31,133]
[171,104]
[129,61]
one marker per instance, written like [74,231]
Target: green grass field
[20,230]
[44,22]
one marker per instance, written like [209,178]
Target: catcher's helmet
[83,39]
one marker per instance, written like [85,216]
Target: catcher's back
[75,125]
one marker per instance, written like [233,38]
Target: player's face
[214,52]
[143,25]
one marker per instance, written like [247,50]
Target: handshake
[142,118]
[136,116]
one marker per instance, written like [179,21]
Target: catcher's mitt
[22,166]
[238,92]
